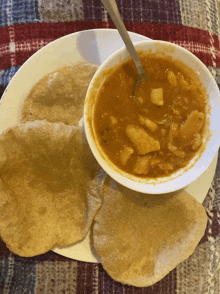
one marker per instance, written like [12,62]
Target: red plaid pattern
[28,25]
[19,42]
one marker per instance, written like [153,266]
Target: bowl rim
[172,183]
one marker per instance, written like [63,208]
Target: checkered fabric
[28,25]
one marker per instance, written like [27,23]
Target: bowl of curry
[166,136]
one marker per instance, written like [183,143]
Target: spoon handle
[112,9]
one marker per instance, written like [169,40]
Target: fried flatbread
[140,238]
[45,174]
[60,95]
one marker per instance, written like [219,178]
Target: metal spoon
[112,9]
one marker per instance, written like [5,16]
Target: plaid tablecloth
[28,25]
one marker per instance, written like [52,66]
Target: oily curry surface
[160,130]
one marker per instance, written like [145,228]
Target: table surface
[28,25]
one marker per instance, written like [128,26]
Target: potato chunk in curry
[191,126]
[157,96]
[125,154]
[141,166]
[152,126]
[143,143]
[160,130]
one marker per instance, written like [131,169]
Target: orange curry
[159,131]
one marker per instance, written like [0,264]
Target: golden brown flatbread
[60,95]
[140,238]
[46,187]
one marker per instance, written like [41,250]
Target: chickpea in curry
[158,131]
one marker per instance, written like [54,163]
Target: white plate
[92,46]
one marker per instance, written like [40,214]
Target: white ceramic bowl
[199,163]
